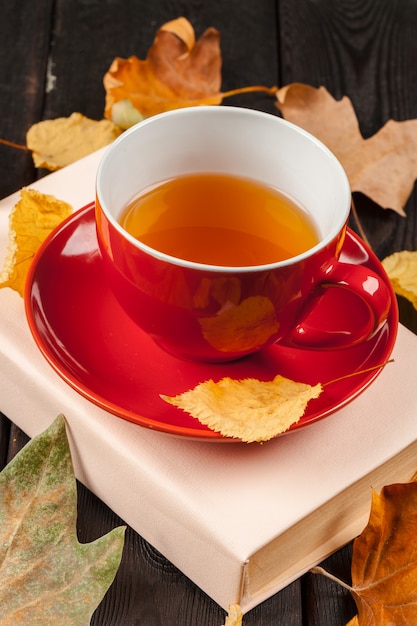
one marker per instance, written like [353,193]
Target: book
[241,521]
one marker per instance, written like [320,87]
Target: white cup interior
[232,140]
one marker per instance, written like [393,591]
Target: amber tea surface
[219,220]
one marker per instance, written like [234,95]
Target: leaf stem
[233,92]
[13,145]
[358,223]
[320,570]
[358,373]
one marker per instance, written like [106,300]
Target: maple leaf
[384,560]
[59,142]
[401,268]
[250,409]
[32,219]
[383,167]
[177,72]
[46,575]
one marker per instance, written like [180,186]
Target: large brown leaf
[177,72]
[384,562]
[383,167]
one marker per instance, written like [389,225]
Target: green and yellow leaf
[46,576]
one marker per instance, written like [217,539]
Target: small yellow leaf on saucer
[249,409]
[401,268]
[234,616]
[32,219]
[59,142]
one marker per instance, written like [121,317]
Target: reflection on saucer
[254,320]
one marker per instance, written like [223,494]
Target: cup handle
[315,329]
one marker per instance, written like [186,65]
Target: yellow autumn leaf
[401,268]
[64,140]
[32,219]
[248,409]
[234,617]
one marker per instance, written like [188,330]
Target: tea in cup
[218,226]
[209,218]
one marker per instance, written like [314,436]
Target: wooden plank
[363,50]
[24,36]
[326,602]
[88,35]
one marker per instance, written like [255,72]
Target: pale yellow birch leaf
[249,410]
[401,268]
[64,140]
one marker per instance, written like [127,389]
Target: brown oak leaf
[383,167]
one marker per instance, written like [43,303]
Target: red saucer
[92,344]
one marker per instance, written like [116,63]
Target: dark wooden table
[53,56]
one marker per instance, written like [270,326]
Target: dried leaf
[401,268]
[178,72]
[234,617]
[32,219]
[59,142]
[384,561]
[46,575]
[383,167]
[249,409]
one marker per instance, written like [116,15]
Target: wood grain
[53,57]
[24,36]
[362,49]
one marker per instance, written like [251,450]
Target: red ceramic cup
[243,309]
